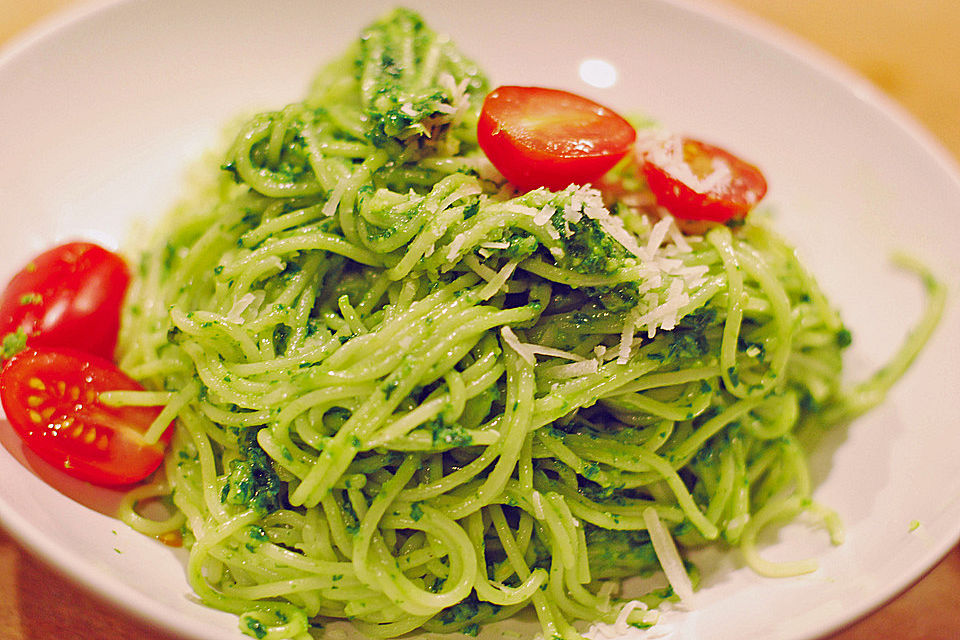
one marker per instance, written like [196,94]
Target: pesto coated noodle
[409,397]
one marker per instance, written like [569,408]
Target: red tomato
[51,398]
[697,181]
[549,138]
[69,296]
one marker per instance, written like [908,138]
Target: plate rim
[99,582]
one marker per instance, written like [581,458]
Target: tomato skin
[68,296]
[550,138]
[51,399]
[694,180]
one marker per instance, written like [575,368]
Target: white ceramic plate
[101,110]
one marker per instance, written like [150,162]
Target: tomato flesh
[69,296]
[694,180]
[51,398]
[539,137]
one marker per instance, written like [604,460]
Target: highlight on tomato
[539,137]
[694,180]
[52,400]
[68,296]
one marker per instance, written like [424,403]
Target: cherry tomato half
[69,296]
[550,138]
[51,398]
[694,180]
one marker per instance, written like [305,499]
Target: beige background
[908,48]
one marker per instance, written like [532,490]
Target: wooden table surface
[908,48]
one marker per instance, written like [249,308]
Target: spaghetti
[409,397]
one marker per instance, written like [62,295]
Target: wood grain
[909,49]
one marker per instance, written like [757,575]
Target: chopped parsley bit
[352,525]
[281,335]
[389,387]
[844,338]
[254,628]
[257,533]
[734,377]
[448,434]
[252,481]
[416,512]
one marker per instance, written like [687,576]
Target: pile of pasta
[409,396]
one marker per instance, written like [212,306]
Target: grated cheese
[658,265]
[543,216]
[573,369]
[235,315]
[514,342]
[459,96]
[668,556]
[665,315]
[594,209]
[657,236]
[514,207]
[622,630]
[464,191]
[535,349]
[333,203]
[455,245]
[666,150]
[556,353]
[626,338]
[677,237]
[495,245]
